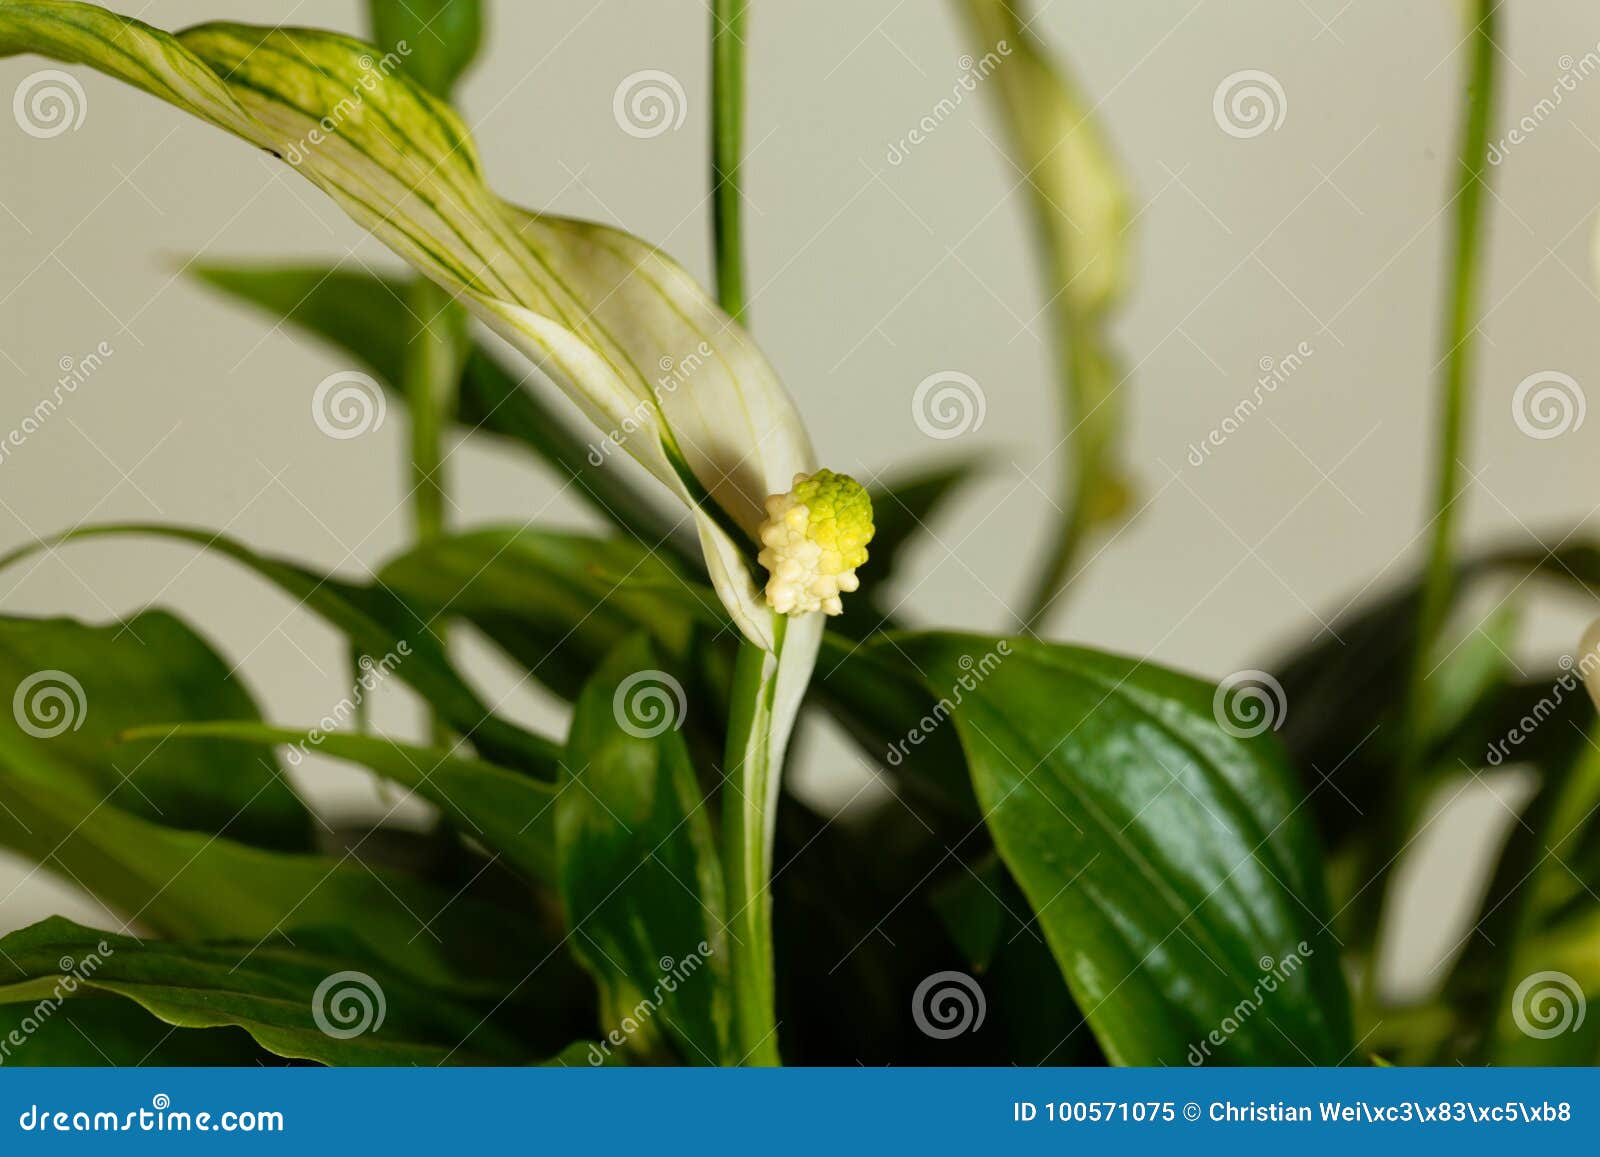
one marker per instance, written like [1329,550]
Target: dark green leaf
[74,686]
[639,869]
[192,885]
[379,623]
[557,603]
[109,1030]
[1166,860]
[310,1002]
[510,813]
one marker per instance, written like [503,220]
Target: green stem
[727,148]
[750,790]
[1439,582]
[749,807]
[430,377]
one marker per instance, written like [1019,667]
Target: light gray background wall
[866,277]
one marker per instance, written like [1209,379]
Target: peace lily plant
[1086,858]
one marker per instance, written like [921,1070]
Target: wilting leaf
[639,868]
[1166,860]
[619,326]
[74,686]
[360,313]
[309,1002]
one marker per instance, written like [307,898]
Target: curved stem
[727,147]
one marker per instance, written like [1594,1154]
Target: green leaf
[74,686]
[109,1030]
[558,603]
[378,622]
[360,313]
[369,1014]
[612,321]
[1167,861]
[1080,221]
[510,813]
[639,870]
[194,885]
[436,40]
